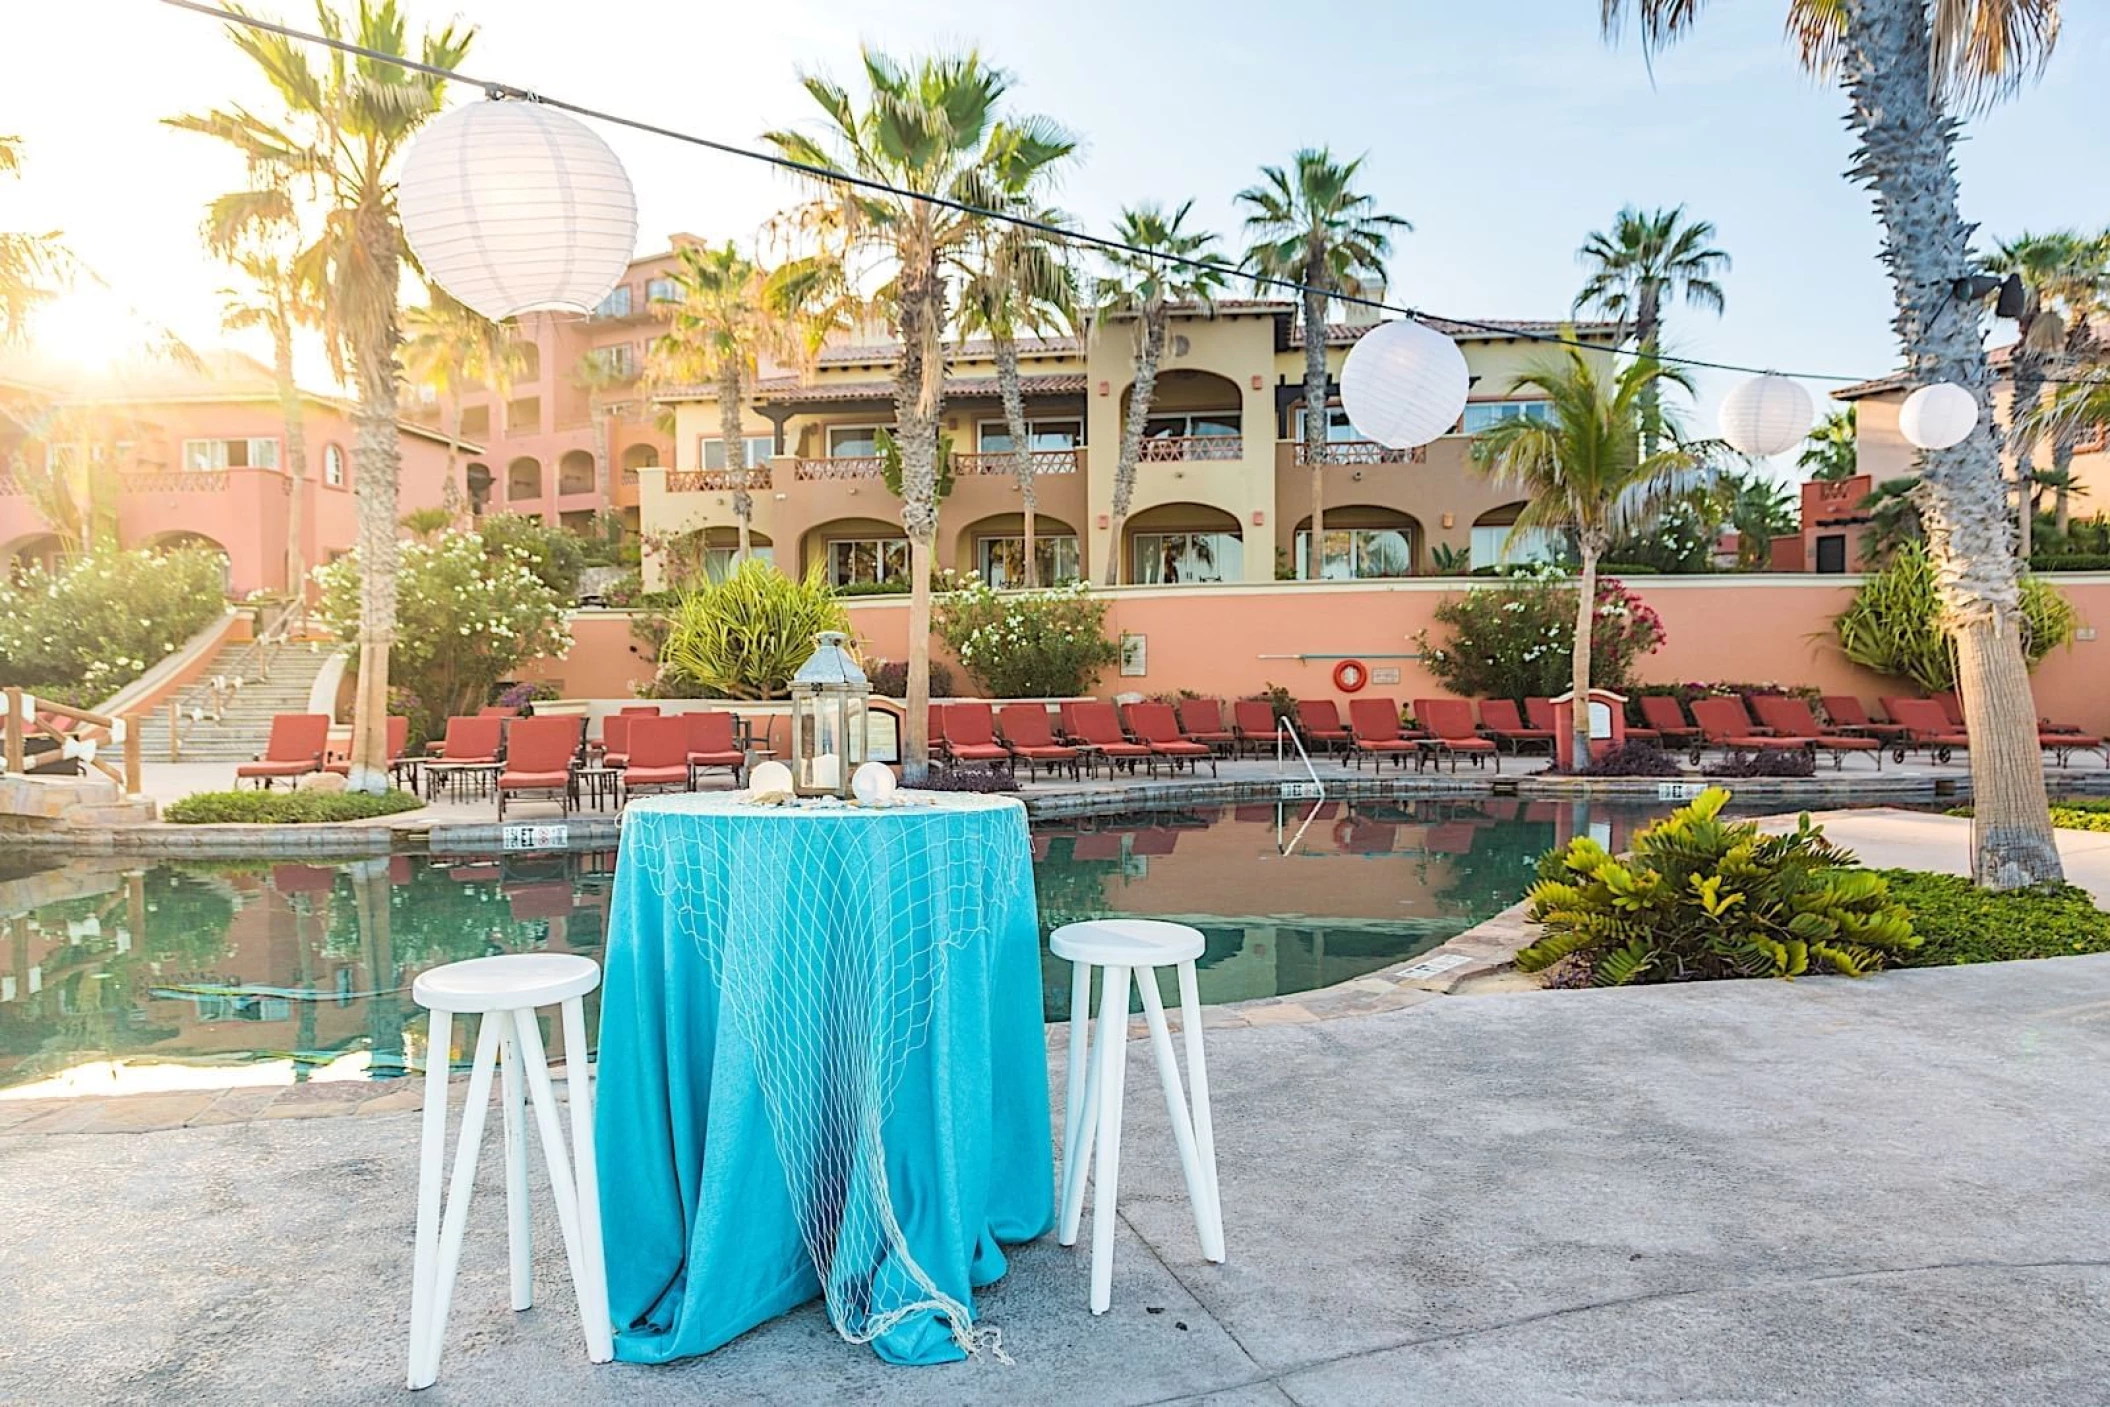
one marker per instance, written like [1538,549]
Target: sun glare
[89,329]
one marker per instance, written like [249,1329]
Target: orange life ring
[1349,676]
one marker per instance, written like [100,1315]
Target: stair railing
[208,699]
[81,736]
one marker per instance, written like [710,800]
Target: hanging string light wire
[1065,233]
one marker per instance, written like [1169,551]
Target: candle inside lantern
[828,771]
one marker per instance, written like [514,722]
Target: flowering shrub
[1028,644]
[1517,640]
[80,634]
[468,613]
[890,679]
[521,695]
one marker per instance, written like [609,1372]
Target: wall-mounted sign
[1381,675]
[1135,656]
[537,837]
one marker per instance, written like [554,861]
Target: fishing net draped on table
[858,992]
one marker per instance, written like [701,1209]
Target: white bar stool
[504,992]
[1119,948]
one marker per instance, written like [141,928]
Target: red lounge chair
[1926,726]
[1952,709]
[1725,724]
[639,710]
[1320,721]
[1158,729]
[1202,720]
[468,742]
[294,748]
[1028,734]
[1450,724]
[970,735]
[935,733]
[711,744]
[1375,724]
[539,755]
[1662,713]
[1500,720]
[1095,727]
[1257,725]
[615,739]
[1848,715]
[658,759]
[396,741]
[497,711]
[1792,716]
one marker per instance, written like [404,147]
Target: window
[1354,554]
[1494,547]
[206,455]
[1002,560]
[618,361]
[524,416]
[333,466]
[1338,429]
[758,448]
[718,562]
[661,290]
[1042,434]
[867,559]
[853,441]
[1202,423]
[476,422]
[616,304]
[1480,415]
[1188,557]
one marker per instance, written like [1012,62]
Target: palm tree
[1832,450]
[932,128]
[1021,283]
[1893,511]
[30,264]
[1584,471]
[1145,288]
[2079,291]
[2043,262]
[1760,508]
[1905,64]
[257,231]
[597,373]
[1309,225]
[453,349]
[1651,258]
[341,129]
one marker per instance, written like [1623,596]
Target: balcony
[714,480]
[1189,449]
[1044,461]
[1366,452]
[862,466]
[176,481]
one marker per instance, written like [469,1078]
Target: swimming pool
[208,974]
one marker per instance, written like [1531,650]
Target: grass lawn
[1959,922]
[286,808]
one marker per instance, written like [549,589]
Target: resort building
[177,454]
[1221,489]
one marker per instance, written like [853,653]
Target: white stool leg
[461,1187]
[1077,1154]
[519,1235]
[600,1341]
[1113,1061]
[1176,1108]
[1073,1085]
[1198,1090]
[432,1167]
[553,1153]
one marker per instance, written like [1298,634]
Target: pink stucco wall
[1231,640]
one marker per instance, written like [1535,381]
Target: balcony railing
[1045,461]
[1174,449]
[8,485]
[177,481]
[1366,452]
[863,466]
[717,480]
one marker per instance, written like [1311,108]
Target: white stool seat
[1127,942]
[1128,952]
[510,982]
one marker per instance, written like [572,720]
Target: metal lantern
[1404,384]
[515,207]
[829,696]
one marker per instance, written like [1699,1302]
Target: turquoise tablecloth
[832,992]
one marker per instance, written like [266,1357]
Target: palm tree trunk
[1316,416]
[919,395]
[1149,349]
[603,475]
[1647,334]
[377,464]
[1585,636]
[2028,373]
[1021,442]
[447,488]
[734,437]
[296,460]
[1906,157]
[2067,435]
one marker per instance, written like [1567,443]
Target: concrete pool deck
[1888,1190]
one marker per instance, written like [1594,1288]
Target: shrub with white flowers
[81,633]
[1025,644]
[468,614]
[1517,640]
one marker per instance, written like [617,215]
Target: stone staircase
[245,715]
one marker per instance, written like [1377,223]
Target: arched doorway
[1499,542]
[575,473]
[37,551]
[179,540]
[1363,542]
[523,479]
[994,549]
[1183,543]
[858,554]
[642,455]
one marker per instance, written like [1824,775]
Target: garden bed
[286,808]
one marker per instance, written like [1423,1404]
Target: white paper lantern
[1938,416]
[769,777]
[1404,384]
[1766,415]
[872,783]
[514,207]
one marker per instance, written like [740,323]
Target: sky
[1505,132]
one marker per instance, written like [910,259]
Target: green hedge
[2073,813]
[285,808]
[2072,562]
[1958,922]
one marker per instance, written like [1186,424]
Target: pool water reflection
[204,974]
